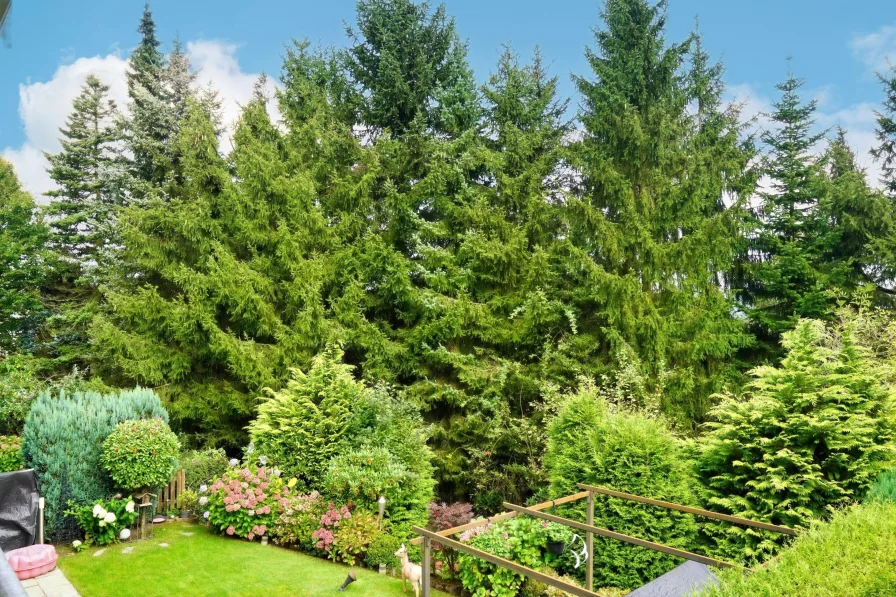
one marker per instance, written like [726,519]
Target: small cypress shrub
[63,439]
[810,436]
[590,443]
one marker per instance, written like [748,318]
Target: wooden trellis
[589,491]
[169,494]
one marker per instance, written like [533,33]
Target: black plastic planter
[556,547]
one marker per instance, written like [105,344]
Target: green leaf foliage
[807,437]
[201,467]
[10,453]
[23,263]
[63,441]
[141,454]
[589,443]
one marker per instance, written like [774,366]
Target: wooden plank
[503,516]
[426,566]
[672,551]
[589,544]
[691,510]
[512,566]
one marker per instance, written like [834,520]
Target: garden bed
[202,563]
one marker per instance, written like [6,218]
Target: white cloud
[877,49]
[44,106]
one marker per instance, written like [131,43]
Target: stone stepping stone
[127,550]
[99,552]
[163,545]
[185,534]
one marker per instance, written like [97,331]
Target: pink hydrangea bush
[246,501]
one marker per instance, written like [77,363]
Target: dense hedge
[852,556]
[588,443]
[63,440]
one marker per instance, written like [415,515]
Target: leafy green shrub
[883,489]
[589,443]
[102,521]
[854,555]
[298,518]
[353,538]
[382,551]
[521,540]
[62,442]
[201,467]
[303,426]
[19,386]
[360,477]
[246,501]
[10,453]
[141,454]
[810,435]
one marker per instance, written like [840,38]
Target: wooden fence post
[427,563]
[589,544]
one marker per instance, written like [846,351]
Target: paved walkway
[53,584]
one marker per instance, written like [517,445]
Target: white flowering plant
[102,521]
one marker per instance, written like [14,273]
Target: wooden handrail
[672,551]
[503,516]
[691,510]
[512,566]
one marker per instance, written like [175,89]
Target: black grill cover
[19,510]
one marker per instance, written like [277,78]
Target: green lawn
[207,564]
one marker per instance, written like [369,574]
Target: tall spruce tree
[857,243]
[233,268]
[92,181]
[410,65]
[650,234]
[24,264]
[885,152]
[786,283]
[88,176]
[149,125]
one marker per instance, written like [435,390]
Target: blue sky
[835,45]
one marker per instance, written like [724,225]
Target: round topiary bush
[141,455]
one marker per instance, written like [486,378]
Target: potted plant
[187,502]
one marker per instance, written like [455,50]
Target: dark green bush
[141,455]
[382,551]
[809,436]
[63,440]
[588,443]
[201,467]
[854,555]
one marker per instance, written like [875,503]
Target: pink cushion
[32,561]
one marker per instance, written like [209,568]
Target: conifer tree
[857,243]
[786,282]
[24,264]
[410,65]
[88,175]
[148,128]
[885,152]
[650,234]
